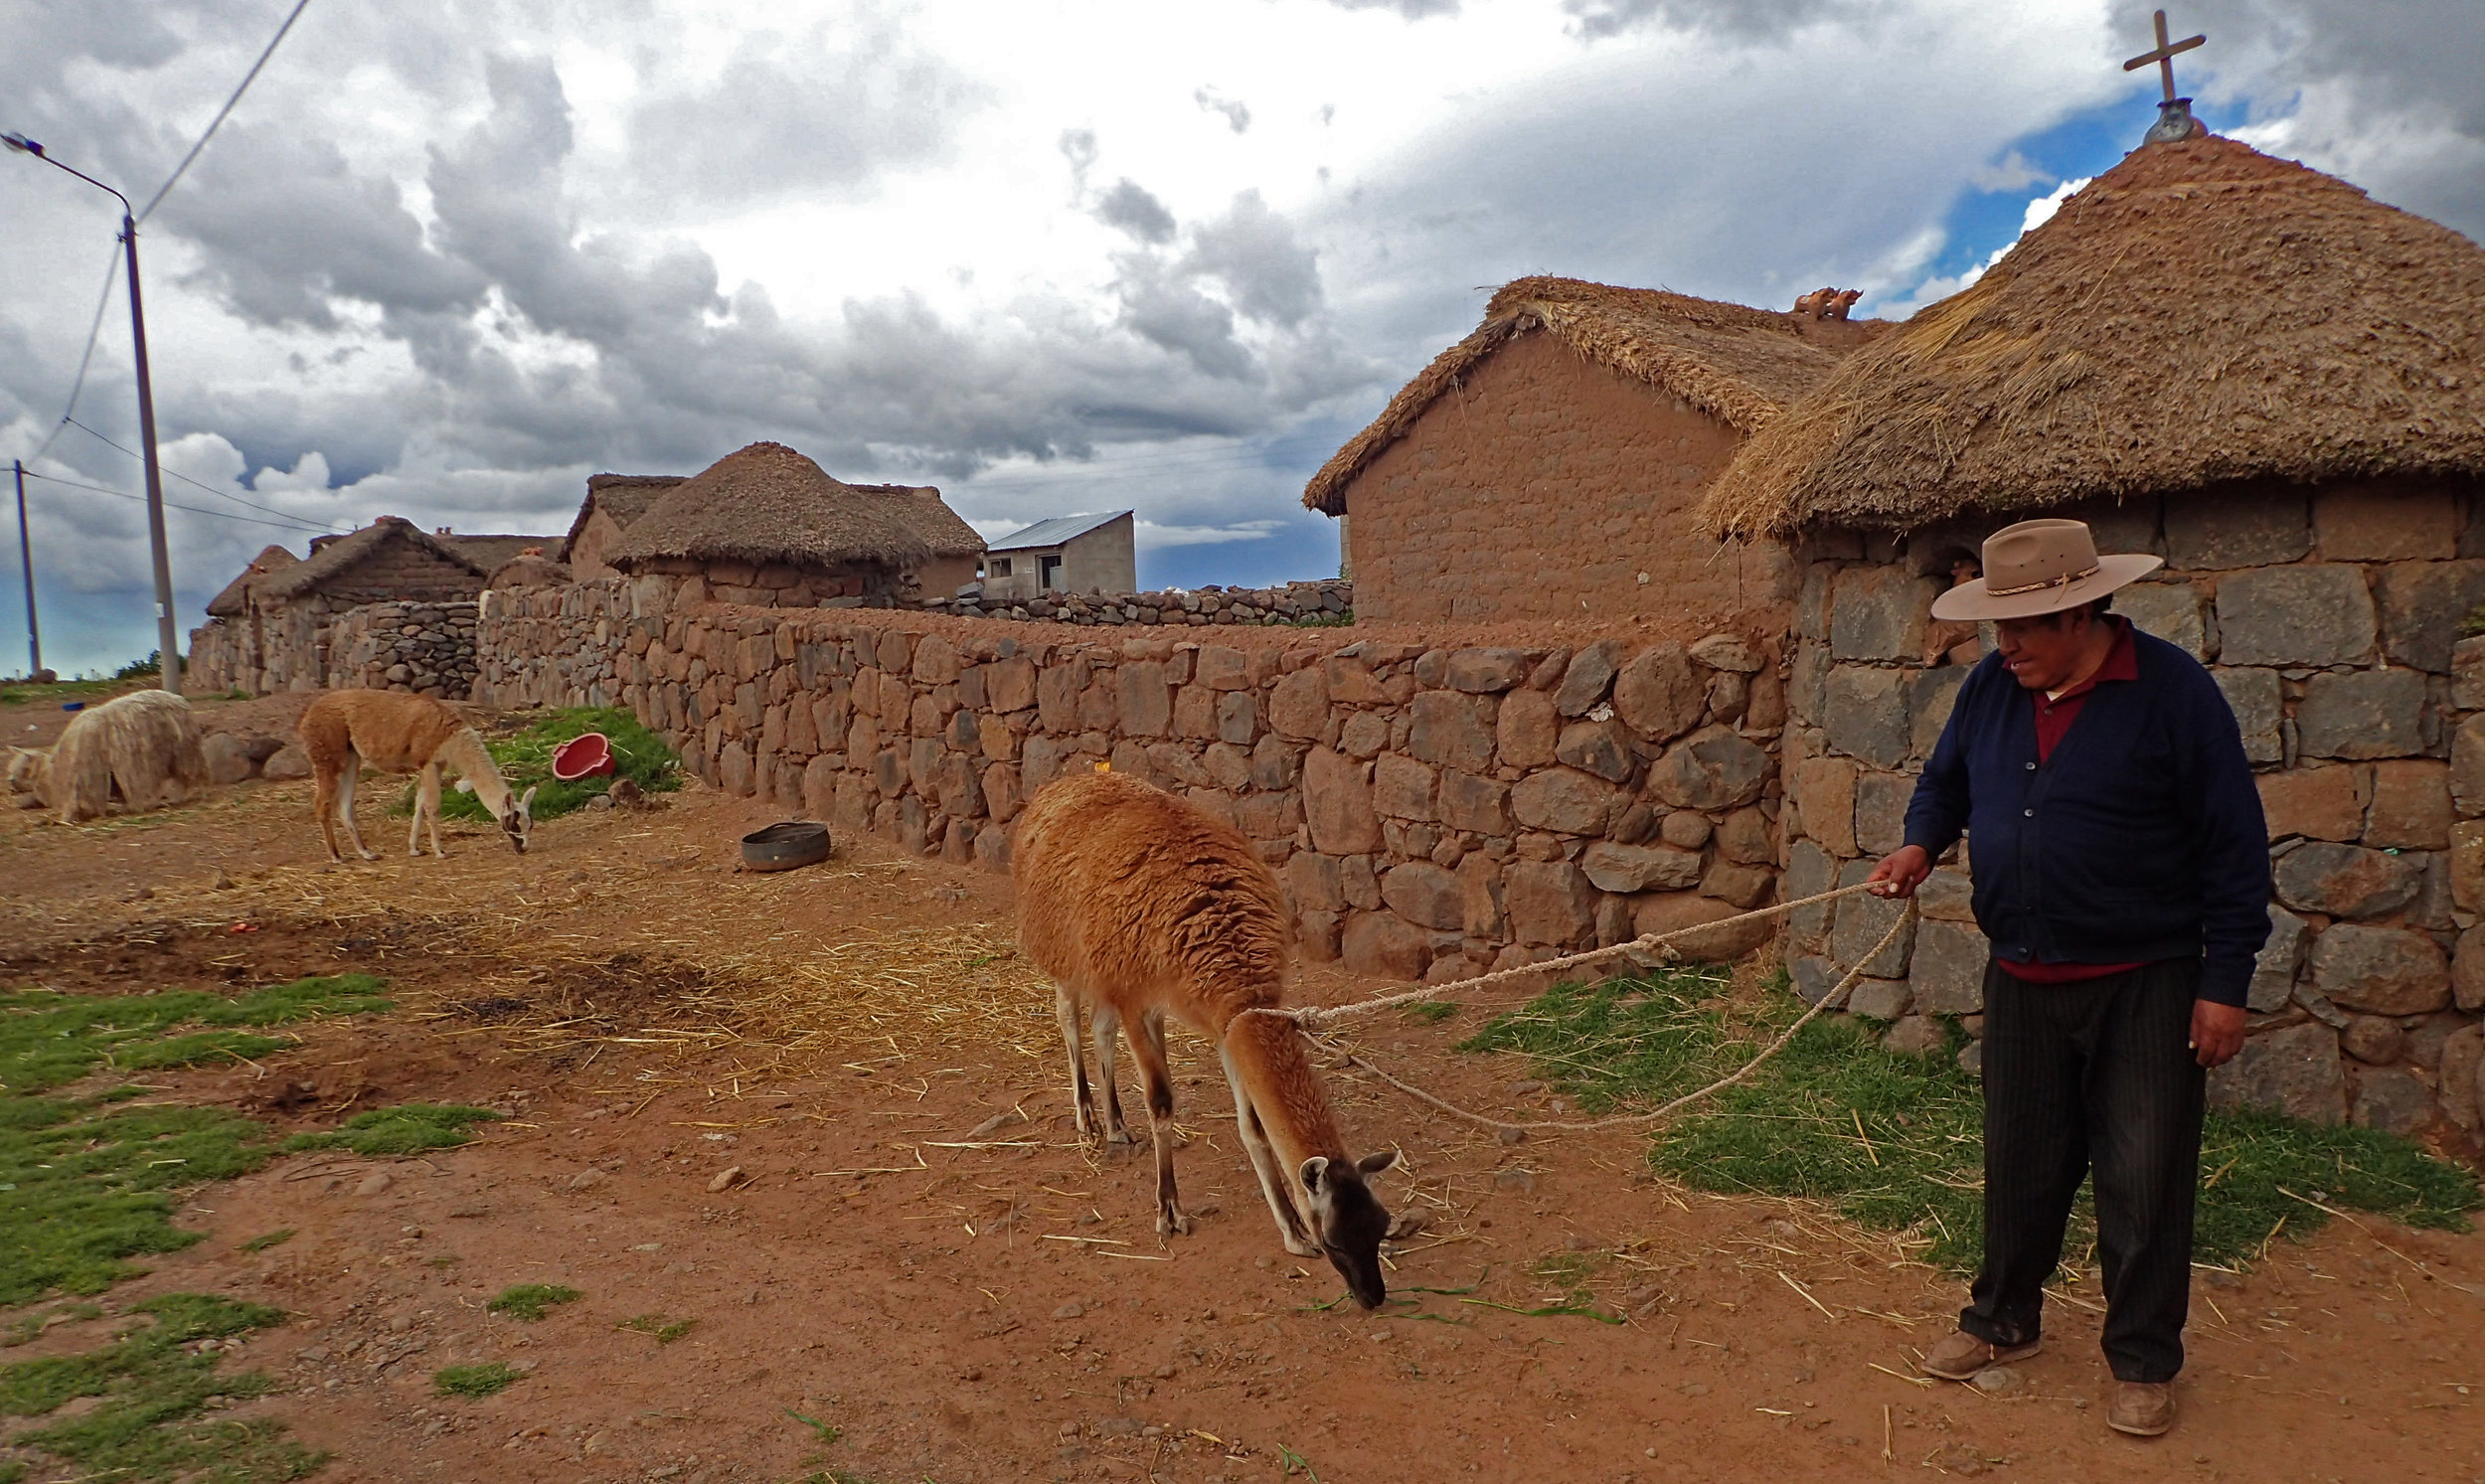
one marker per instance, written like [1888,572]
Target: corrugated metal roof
[1052,532]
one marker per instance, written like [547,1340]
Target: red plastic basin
[583,756]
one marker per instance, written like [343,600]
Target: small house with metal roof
[1067,553]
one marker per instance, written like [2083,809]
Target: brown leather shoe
[2143,1409]
[1962,1355]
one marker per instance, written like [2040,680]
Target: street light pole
[167,640]
[26,559]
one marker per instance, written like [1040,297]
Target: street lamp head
[21,144]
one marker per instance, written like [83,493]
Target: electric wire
[85,358]
[185,479]
[218,121]
[222,515]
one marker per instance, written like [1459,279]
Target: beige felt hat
[2041,566]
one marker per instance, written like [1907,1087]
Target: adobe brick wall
[1432,812]
[2329,618]
[400,571]
[1545,487]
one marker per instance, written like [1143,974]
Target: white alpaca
[144,746]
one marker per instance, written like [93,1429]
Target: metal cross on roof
[2164,56]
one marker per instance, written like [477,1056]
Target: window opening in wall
[1050,571]
[996,567]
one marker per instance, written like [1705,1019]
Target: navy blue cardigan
[2140,839]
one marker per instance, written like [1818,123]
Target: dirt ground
[917,1253]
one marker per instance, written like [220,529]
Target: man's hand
[1902,870]
[2217,1032]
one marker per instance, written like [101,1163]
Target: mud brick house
[2254,370]
[274,627]
[1552,463]
[1086,554]
[612,503]
[767,527]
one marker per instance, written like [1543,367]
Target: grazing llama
[1139,905]
[142,746]
[398,731]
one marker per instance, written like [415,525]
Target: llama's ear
[1373,1164]
[526,800]
[1315,1170]
[465,785]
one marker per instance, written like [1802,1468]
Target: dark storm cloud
[1271,275]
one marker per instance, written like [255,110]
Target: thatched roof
[492,551]
[529,571]
[767,503]
[921,508]
[1738,364]
[235,599]
[2200,313]
[625,497]
[329,559]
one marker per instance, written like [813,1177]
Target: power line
[218,121]
[185,479]
[85,358]
[222,515]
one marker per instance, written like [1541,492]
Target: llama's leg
[324,806]
[1082,1102]
[1107,1021]
[345,804]
[1147,1047]
[426,806]
[1272,1179]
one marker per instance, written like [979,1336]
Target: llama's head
[517,820]
[1348,1220]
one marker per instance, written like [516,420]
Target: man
[2122,876]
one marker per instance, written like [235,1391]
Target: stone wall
[2330,621]
[1295,602]
[426,648]
[1432,812]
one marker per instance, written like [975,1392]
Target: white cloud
[2040,210]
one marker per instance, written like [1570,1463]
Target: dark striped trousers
[2093,1079]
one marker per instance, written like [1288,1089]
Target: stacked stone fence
[425,647]
[1331,600]
[2332,626]
[1432,812]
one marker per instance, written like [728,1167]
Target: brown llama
[1139,905]
[398,731]
[142,748]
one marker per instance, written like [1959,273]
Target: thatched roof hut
[1551,465]
[2198,314]
[620,500]
[234,601]
[1738,364]
[768,509]
[529,569]
[390,559]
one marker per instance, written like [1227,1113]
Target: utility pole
[26,561]
[167,638]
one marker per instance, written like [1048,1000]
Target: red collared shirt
[2054,714]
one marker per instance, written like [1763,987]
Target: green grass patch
[48,1040]
[91,690]
[665,1330]
[1430,1012]
[531,1301]
[487,1380]
[1895,1142]
[28,1327]
[266,1240]
[407,1128]
[525,760]
[155,1388]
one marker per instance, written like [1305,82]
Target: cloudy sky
[445,260]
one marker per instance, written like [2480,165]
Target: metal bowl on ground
[785,847]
